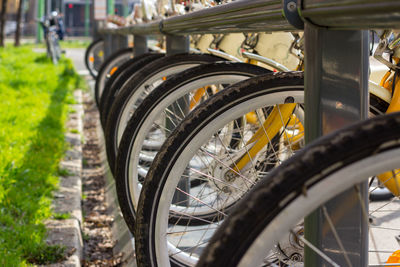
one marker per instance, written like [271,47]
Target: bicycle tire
[204,121]
[57,47]
[178,146]
[52,49]
[93,71]
[121,77]
[114,60]
[135,91]
[150,110]
[361,150]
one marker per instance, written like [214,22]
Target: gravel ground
[97,236]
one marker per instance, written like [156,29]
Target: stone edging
[67,200]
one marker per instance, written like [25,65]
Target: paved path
[77,56]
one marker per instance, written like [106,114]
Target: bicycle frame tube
[395,102]
[278,118]
[391,180]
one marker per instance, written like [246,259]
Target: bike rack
[336,74]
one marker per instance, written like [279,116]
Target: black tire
[53,49]
[179,143]
[114,60]
[145,110]
[93,70]
[238,96]
[120,77]
[316,164]
[380,194]
[138,86]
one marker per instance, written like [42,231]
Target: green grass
[75,131]
[33,97]
[64,44]
[61,216]
[64,172]
[46,254]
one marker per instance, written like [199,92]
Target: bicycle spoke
[316,250]
[366,218]
[336,235]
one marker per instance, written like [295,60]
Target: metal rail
[268,15]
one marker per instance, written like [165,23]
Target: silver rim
[174,246]
[95,66]
[140,93]
[156,137]
[332,185]
[116,62]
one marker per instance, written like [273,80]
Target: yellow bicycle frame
[386,178]
[278,118]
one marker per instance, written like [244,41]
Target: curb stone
[67,199]
[124,241]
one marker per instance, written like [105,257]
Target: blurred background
[78,15]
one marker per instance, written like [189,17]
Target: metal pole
[119,42]
[267,15]
[125,8]
[40,14]
[140,45]
[62,9]
[110,7]
[87,17]
[177,45]
[333,100]
[108,49]
[48,7]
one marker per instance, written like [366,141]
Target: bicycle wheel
[207,146]
[143,82]
[57,47]
[94,57]
[324,169]
[108,68]
[153,122]
[121,77]
[52,48]
[172,229]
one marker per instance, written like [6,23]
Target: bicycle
[362,152]
[157,217]
[157,116]
[51,38]
[366,150]
[108,68]
[119,79]
[94,57]
[134,91]
[146,129]
[121,106]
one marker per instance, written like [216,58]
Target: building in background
[73,11]
[74,14]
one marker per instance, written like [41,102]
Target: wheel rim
[331,186]
[166,196]
[116,62]
[133,161]
[97,55]
[139,94]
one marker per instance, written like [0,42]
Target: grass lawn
[68,43]
[33,107]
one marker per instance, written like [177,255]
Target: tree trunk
[3,22]
[19,21]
